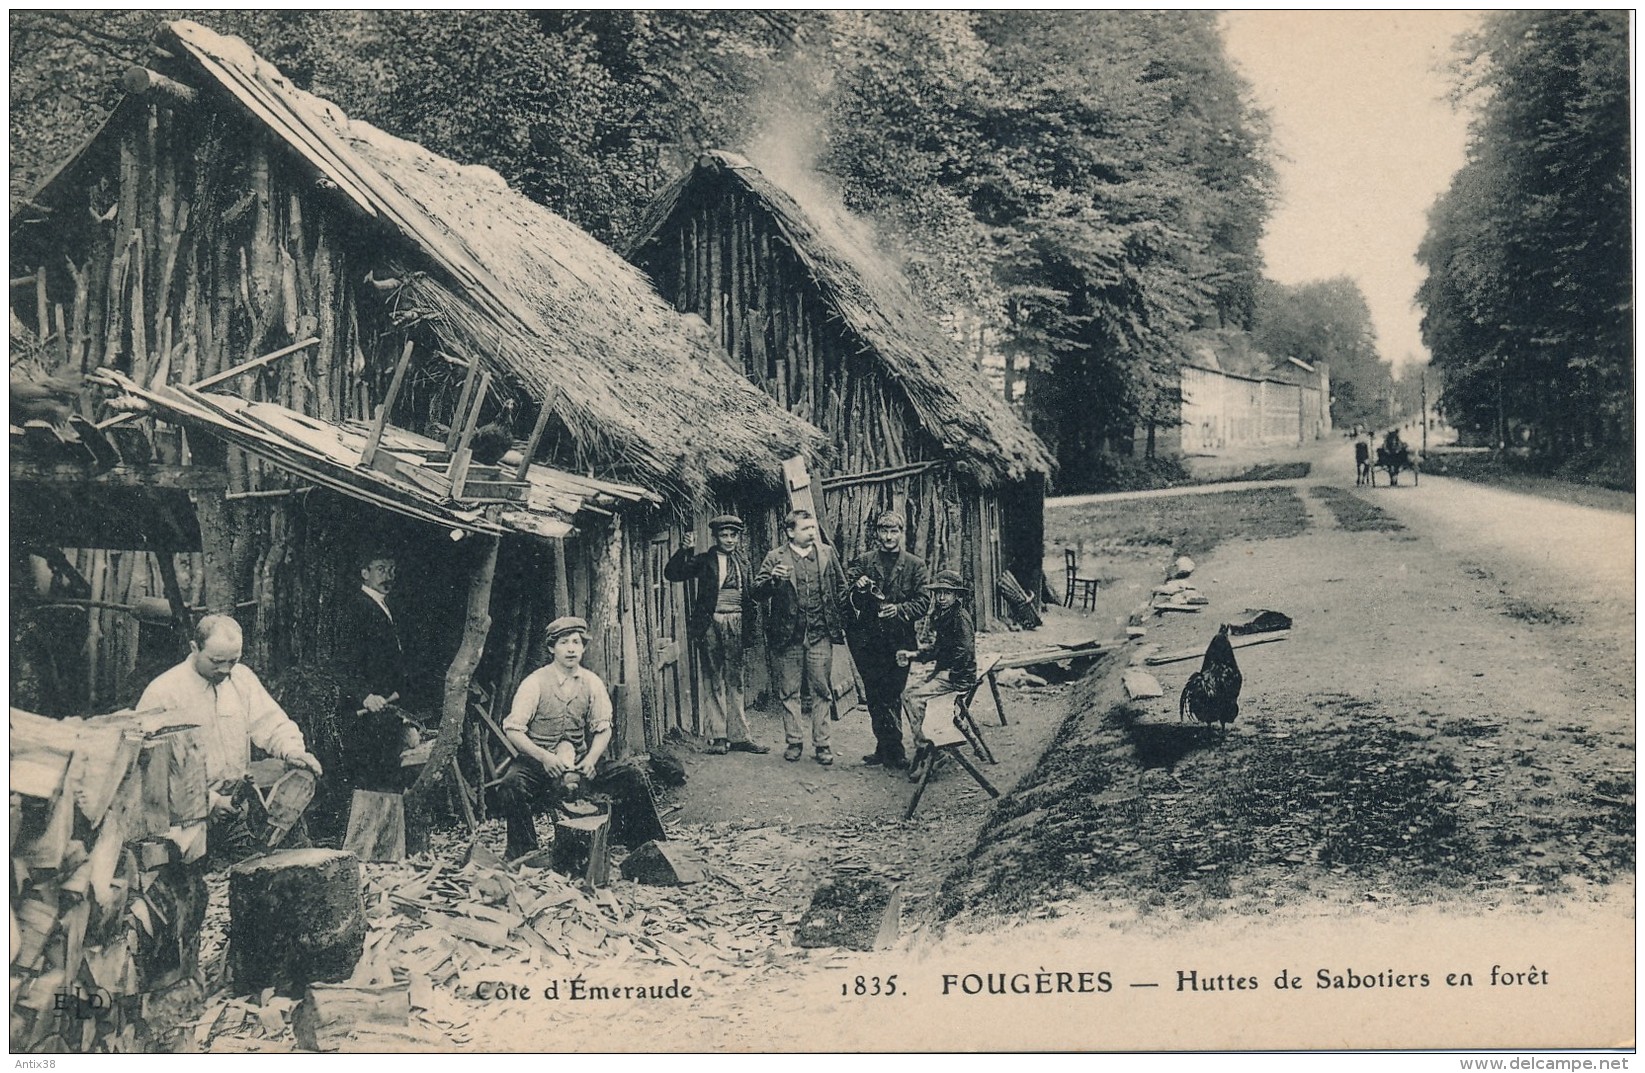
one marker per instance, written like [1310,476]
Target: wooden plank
[1237,642]
[375,437]
[469,380]
[1057,655]
[462,457]
[536,433]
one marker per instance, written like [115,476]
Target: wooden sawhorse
[945,739]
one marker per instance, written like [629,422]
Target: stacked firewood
[100,808]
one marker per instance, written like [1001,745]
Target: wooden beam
[458,414]
[226,374]
[1238,642]
[139,79]
[125,475]
[537,433]
[460,459]
[376,436]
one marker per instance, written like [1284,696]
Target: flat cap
[564,625]
[948,579]
[725,521]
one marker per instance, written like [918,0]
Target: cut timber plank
[1140,685]
[376,826]
[1237,642]
[1057,655]
[329,1012]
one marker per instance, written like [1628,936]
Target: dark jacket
[955,648]
[369,658]
[905,587]
[700,568]
[784,621]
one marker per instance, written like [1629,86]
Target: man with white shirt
[214,690]
[372,680]
[720,603]
[803,581]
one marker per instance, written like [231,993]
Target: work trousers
[811,661]
[883,683]
[721,649]
[372,744]
[526,789]
[915,698]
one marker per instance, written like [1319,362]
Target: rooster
[1211,693]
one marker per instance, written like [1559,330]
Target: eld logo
[81,1005]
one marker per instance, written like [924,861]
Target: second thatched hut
[830,330]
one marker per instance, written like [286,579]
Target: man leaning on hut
[213,689]
[721,602]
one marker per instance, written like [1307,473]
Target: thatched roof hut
[537,299]
[875,305]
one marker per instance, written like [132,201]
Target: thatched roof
[645,391]
[875,305]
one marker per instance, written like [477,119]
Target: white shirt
[235,714]
[379,599]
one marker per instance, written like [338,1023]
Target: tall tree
[1528,303]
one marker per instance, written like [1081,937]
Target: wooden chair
[1087,586]
[943,742]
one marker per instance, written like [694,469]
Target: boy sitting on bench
[953,652]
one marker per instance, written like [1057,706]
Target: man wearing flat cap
[720,603]
[560,722]
[887,596]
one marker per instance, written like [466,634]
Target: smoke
[790,143]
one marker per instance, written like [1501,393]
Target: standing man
[887,596]
[214,690]
[806,587]
[720,603]
[372,672]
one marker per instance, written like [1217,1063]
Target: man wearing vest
[561,724]
[720,604]
[806,587]
[887,597]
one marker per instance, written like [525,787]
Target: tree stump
[582,849]
[858,912]
[295,917]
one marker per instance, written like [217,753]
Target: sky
[1365,140]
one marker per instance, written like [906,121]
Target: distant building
[1235,396]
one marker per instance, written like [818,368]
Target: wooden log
[582,849]
[454,710]
[296,917]
[329,1013]
[376,826]
[186,781]
[139,79]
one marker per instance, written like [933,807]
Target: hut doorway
[666,691]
